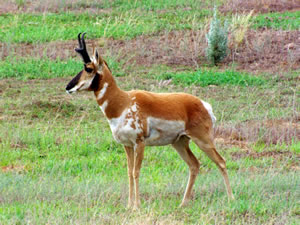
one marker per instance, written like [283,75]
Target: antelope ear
[98,57]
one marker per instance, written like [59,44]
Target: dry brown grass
[268,50]
[262,50]
[271,131]
[260,6]
[54,6]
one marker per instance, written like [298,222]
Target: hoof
[130,205]
[183,204]
[136,207]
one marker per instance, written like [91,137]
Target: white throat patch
[103,106]
[102,91]
[83,85]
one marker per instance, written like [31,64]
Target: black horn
[82,49]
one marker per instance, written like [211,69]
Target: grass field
[58,161]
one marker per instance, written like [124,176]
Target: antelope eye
[89,70]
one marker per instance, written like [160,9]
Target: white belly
[163,132]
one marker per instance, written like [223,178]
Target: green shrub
[217,40]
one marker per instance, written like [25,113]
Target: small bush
[217,40]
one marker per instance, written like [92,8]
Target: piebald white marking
[125,128]
[210,112]
[102,91]
[134,107]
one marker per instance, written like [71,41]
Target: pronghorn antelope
[140,118]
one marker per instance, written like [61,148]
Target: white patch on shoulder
[103,106]
[126,127]
[210,112]
[163,132]
[102,91]
[134,107]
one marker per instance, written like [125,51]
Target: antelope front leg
[130,165]
[138,158]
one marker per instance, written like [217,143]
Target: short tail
[210,112]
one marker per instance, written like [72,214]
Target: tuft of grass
[285,21]
[239,26]
[210,77]
[20,3]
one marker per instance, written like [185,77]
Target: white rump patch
[210,112]
[102,91]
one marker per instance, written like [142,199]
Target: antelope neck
[110,97]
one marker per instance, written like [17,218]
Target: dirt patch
[255,155]
[96,6]
[18,145]
[267,50]
[268,131]
[53,6]
[263,50]
[177,47]
[54,107]
[13,168]
[52,50]
[171,48]
[8,7]
[260,6]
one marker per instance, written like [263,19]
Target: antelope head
[87,78]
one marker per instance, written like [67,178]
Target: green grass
[60,165]
[285,20]
[121,6]
[30,68]
[32,28]
[72,170]
[211,77]
[157,5]
[52,199]
[25,68]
